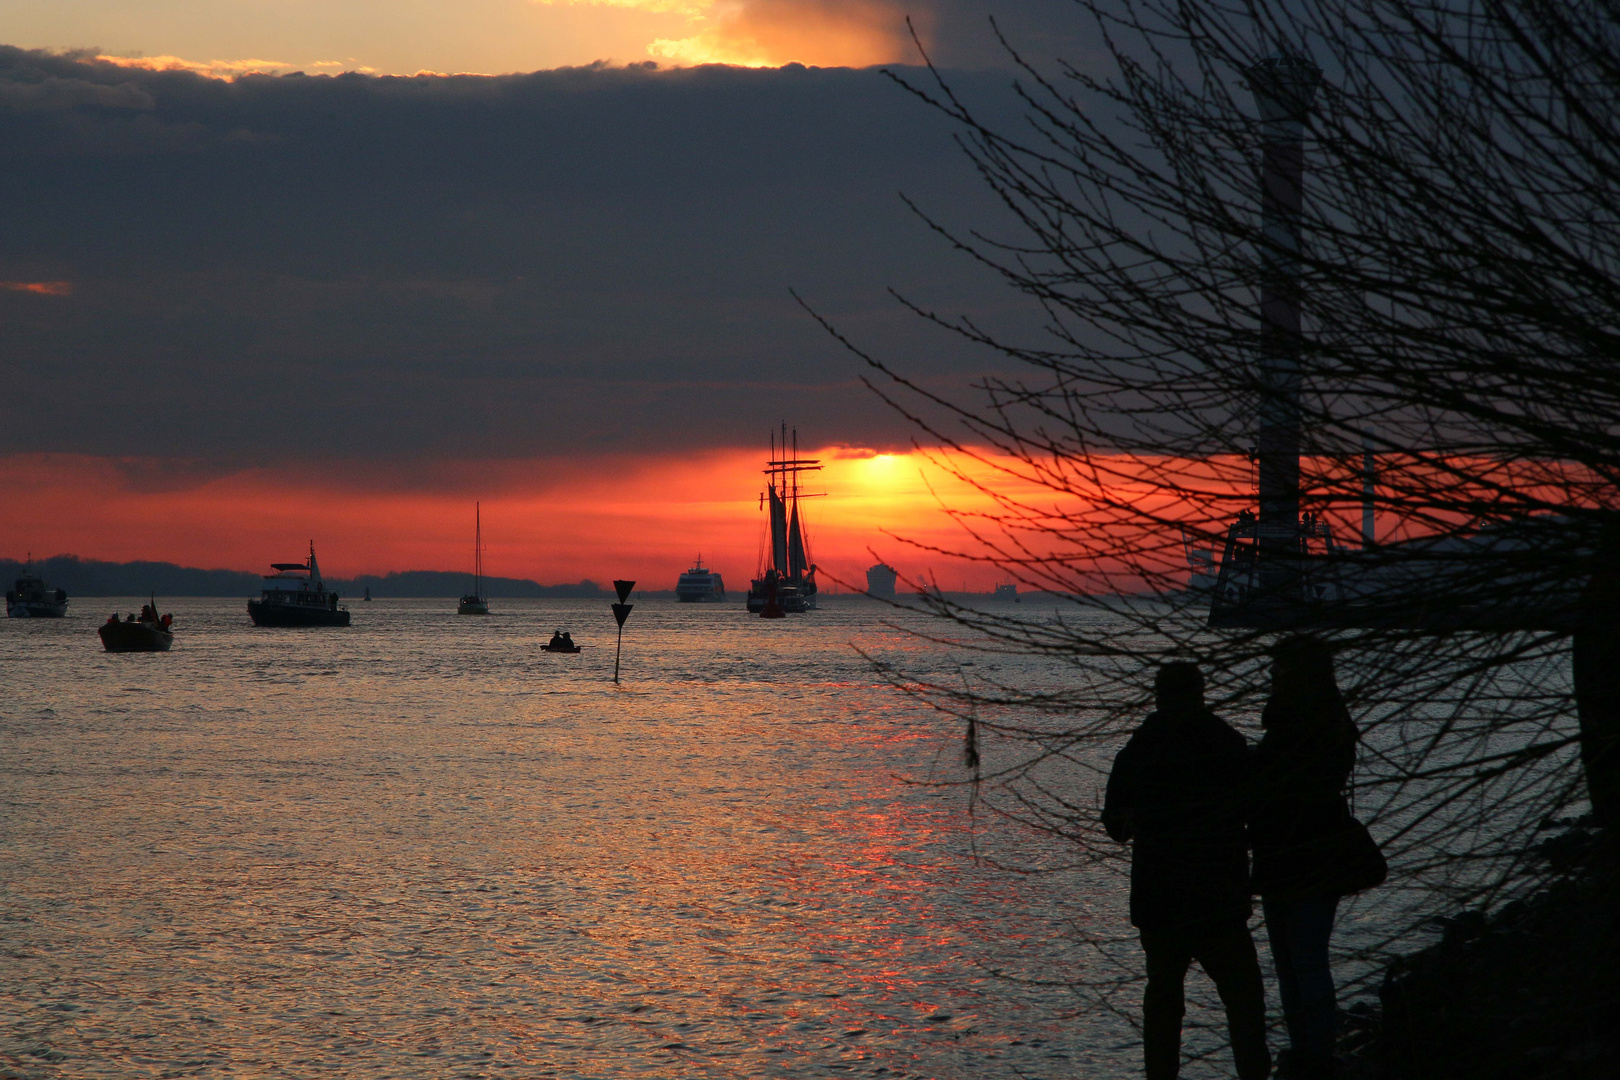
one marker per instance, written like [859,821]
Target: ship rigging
[475,602]
[788,580]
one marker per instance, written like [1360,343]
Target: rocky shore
[1531,992]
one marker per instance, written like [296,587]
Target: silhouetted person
[556,641]
[1301,768]
[1178,792]
[1596,656]
[567,640]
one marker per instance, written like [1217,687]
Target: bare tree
[1224,353]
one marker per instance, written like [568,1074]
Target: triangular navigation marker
[621,612]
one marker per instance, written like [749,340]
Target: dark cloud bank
[573,260]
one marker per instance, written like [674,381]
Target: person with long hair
[1299,819]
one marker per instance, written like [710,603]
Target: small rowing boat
[147,633]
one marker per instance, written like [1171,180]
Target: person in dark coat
[1595,653]
[1178,794]
[1301,768]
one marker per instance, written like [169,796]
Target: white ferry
[700,586]
[880,581]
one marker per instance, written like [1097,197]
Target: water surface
[420,847]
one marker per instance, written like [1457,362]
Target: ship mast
[785,490]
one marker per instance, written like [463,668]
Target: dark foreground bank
[1529,993]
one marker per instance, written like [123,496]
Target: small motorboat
[146,633]
[560,643]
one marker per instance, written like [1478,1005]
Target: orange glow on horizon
[551,520]
[1098,521]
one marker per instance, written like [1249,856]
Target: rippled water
[420,847]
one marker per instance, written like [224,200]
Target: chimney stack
[1283,88]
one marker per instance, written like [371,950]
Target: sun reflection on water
[422,848]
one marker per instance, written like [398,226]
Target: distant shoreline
[92,577]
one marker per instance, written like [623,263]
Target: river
[421,847]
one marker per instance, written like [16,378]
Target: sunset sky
[402,37]
[554,519]
[243,307]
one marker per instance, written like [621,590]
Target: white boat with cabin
[700,585]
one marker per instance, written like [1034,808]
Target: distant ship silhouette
[789,577]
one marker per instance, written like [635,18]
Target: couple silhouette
[1193,799]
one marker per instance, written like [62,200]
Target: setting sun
[642,517]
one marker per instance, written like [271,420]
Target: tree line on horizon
[94,577]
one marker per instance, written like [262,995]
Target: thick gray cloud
[578,258]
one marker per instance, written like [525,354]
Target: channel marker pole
[621,612]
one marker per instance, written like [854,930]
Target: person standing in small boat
[1302,766]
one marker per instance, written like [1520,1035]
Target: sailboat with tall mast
[475,602]
[789,578]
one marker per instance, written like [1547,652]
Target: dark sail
[779,532]
[797,563]
[786,581]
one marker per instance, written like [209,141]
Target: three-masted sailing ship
[789,577]
[475,602]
